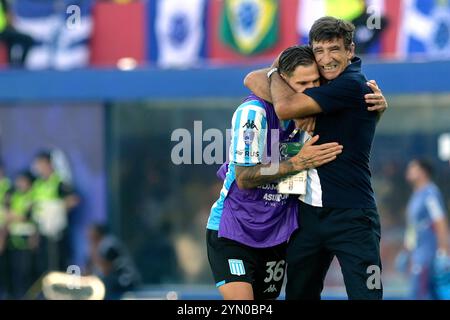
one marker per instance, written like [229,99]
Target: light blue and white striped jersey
[258,217]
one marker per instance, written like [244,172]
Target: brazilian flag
[250,26]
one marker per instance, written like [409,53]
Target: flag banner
[250,31]
[177,32]
[387,29]
[249,26]
[119,38]
[371,24]
[425,29]
[61,35]
[367,16]
[311,10]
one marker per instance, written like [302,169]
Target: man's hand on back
[376,98]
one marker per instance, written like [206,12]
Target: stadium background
[110,91]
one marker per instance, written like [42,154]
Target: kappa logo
[271,289]
[250,124]
[236,267]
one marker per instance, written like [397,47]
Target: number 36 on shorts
[275,271]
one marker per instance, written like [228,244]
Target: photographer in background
[111,261]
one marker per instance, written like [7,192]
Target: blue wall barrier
[95,85]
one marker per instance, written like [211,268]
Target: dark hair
[99,228]
[426,166]
[27,175]
[330,28]
[293,57]
[44,155]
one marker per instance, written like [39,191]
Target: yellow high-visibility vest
[3,21]
[5,184]
[46,189]
[19,231]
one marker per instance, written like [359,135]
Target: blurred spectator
[111,261]
[427,229]
[22,235]
[17,43]
[54,200]
[4,188]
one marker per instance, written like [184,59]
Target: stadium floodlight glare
[444,147]
[126,64]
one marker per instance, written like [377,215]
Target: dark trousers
[352,235]
[15,39]
[3,275]
[20,271]
[53,255]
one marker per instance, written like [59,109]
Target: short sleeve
[248,134]
[341,93]
[434,207]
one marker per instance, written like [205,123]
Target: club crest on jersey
[249,135]
[236,267]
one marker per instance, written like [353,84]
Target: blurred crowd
[34,209]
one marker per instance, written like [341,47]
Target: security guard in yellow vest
[22,235]
[12,38]
[47,193]
[53,200]
[5,186]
